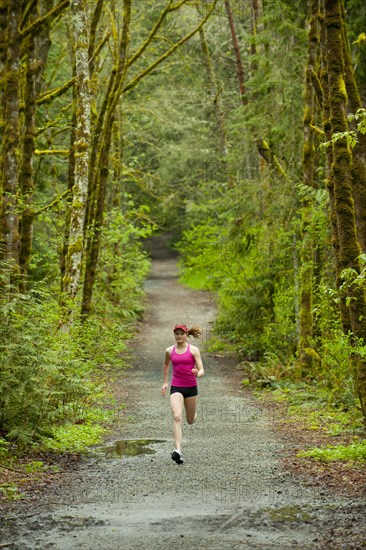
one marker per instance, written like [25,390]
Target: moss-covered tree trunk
[70,187]
[358,167]
[99,176]
[73,260]
[323,97]
[9,234]
[307,234]
[35,51]
[92,34]
[349,248]
[3,50]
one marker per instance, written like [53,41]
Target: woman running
[187,367]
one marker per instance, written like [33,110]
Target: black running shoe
[177,457]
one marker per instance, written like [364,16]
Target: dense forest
[237,126]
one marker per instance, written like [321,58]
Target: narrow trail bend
[231,491]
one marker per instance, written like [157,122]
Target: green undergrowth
[318,409]
[53,379]
[11,491]
[78,438]
[74,438]
[355,452]
[17,469]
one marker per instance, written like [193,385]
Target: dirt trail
[230,493]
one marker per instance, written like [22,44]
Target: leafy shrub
[123,263]
[48,376]
[342,453]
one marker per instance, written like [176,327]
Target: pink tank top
[183,364]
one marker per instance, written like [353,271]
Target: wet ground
[231,492]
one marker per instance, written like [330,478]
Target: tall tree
[239,63]
[73,261]
[35,48]
[359,150]
[309,179]
[349,248]
[215,92]
[10,154]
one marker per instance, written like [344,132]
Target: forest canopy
[239,127]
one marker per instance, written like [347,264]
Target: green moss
[342,88]
[75,247]
[307,115]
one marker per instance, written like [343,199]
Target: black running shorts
[186,392]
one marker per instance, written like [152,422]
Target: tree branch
[42,152]
[98,48]
[50,95]
[53,203]
[316,85]
[162,58]
[34,27]
[151,35]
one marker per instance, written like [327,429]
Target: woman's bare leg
[190,404]
[176,404]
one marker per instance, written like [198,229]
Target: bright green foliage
[316,408]
[48,375]
[236,214]
[355,16]
[242,233]
[342,453]
[74,438]
[230,255]
[10,491]
[123,262]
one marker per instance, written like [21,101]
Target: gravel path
[231,491]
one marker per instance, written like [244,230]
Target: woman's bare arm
[198,369]
[166,370]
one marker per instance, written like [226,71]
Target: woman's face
[180,335]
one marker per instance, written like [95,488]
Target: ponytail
[196,332]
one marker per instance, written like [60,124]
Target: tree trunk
[3,48]
[35,51]
[359,150]
[99,178]
[349,248]
[307,237]
[9,234]
[70,186]
[215,93]
[73,260]
[239,64]
[324,103]
[257,9]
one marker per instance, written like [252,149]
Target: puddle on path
[130,447]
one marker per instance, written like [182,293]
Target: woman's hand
[195,371]
[163,389]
